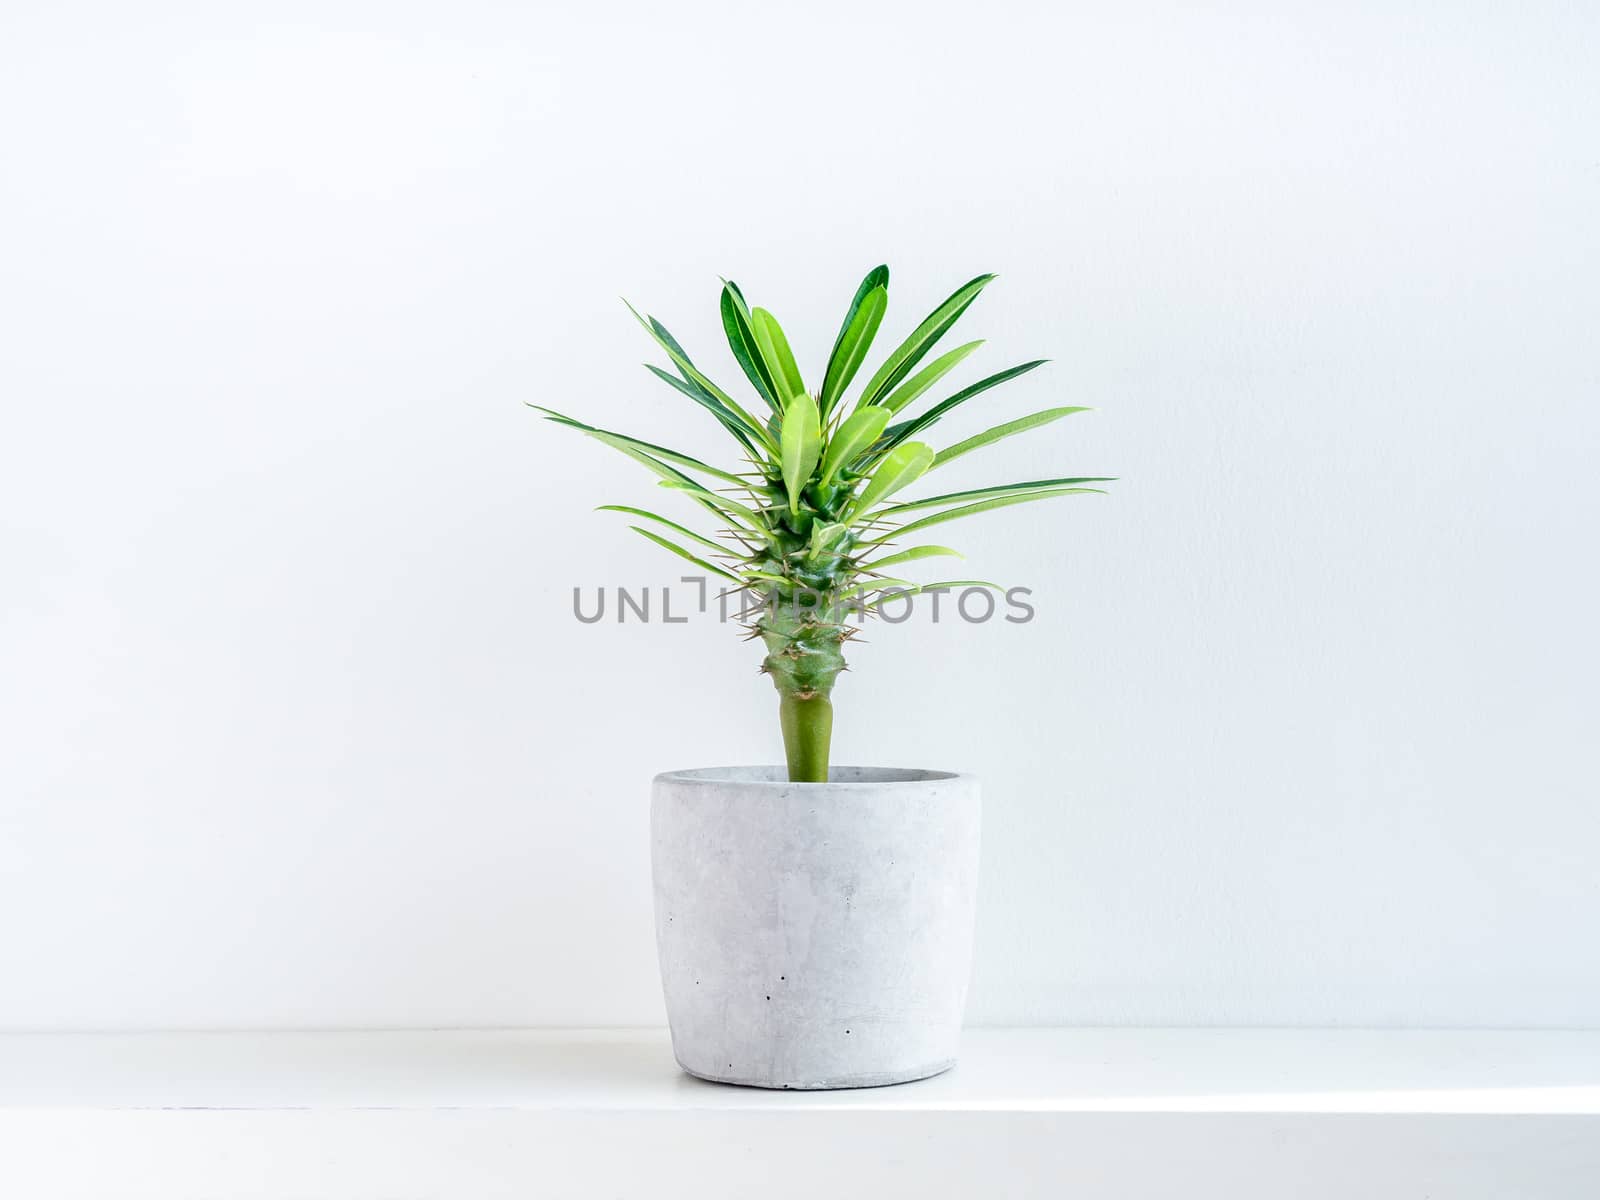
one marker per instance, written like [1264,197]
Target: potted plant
[814,922]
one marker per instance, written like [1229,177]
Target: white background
[297,728]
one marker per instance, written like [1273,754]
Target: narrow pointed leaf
[900,468]
[872,585]
[622,441]
[910,352]
[912,555]
[670,476]
[672,456]
[667,474]
[953,583]
[673,525]
[927,377]
[693,375]
[690,374]
[896,434]
[742,341]
[878,277]
[985,493]
[895,589]
[851,348]
[714,504]
[1008,429]
[799,445]
[708,402]
[858,431]
[668,342]
[775,350]
[969,510]
[730,508]
[682,553]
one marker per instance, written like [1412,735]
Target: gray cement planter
[815,935]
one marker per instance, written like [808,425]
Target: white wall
[296,728]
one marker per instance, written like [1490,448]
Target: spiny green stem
[803,659]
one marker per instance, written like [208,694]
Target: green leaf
[690,374]
[706,401]
[742,340]
[951,514]
[912,555]
[675,352]
[858,431]
[871,585]
[682,553]
[646,513]
[910,352]
[822,536]
[895,589]
[799,444]
[716,500]
[622,441]
[671,477]
[928,376]
[875,278]
[1020,425]
[775,350]
[896,434]
[955,583]
[900,468]
[984,493]
[667,341]
[855,339]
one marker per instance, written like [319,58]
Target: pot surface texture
[815,935]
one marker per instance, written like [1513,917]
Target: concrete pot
[815,935]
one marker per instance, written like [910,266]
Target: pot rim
[764,775]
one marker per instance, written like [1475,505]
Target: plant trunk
[803,660]
[807,731]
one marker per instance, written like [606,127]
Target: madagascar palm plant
[808,525]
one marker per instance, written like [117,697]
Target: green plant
[808,527]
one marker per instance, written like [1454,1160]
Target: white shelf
[1125,1113]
